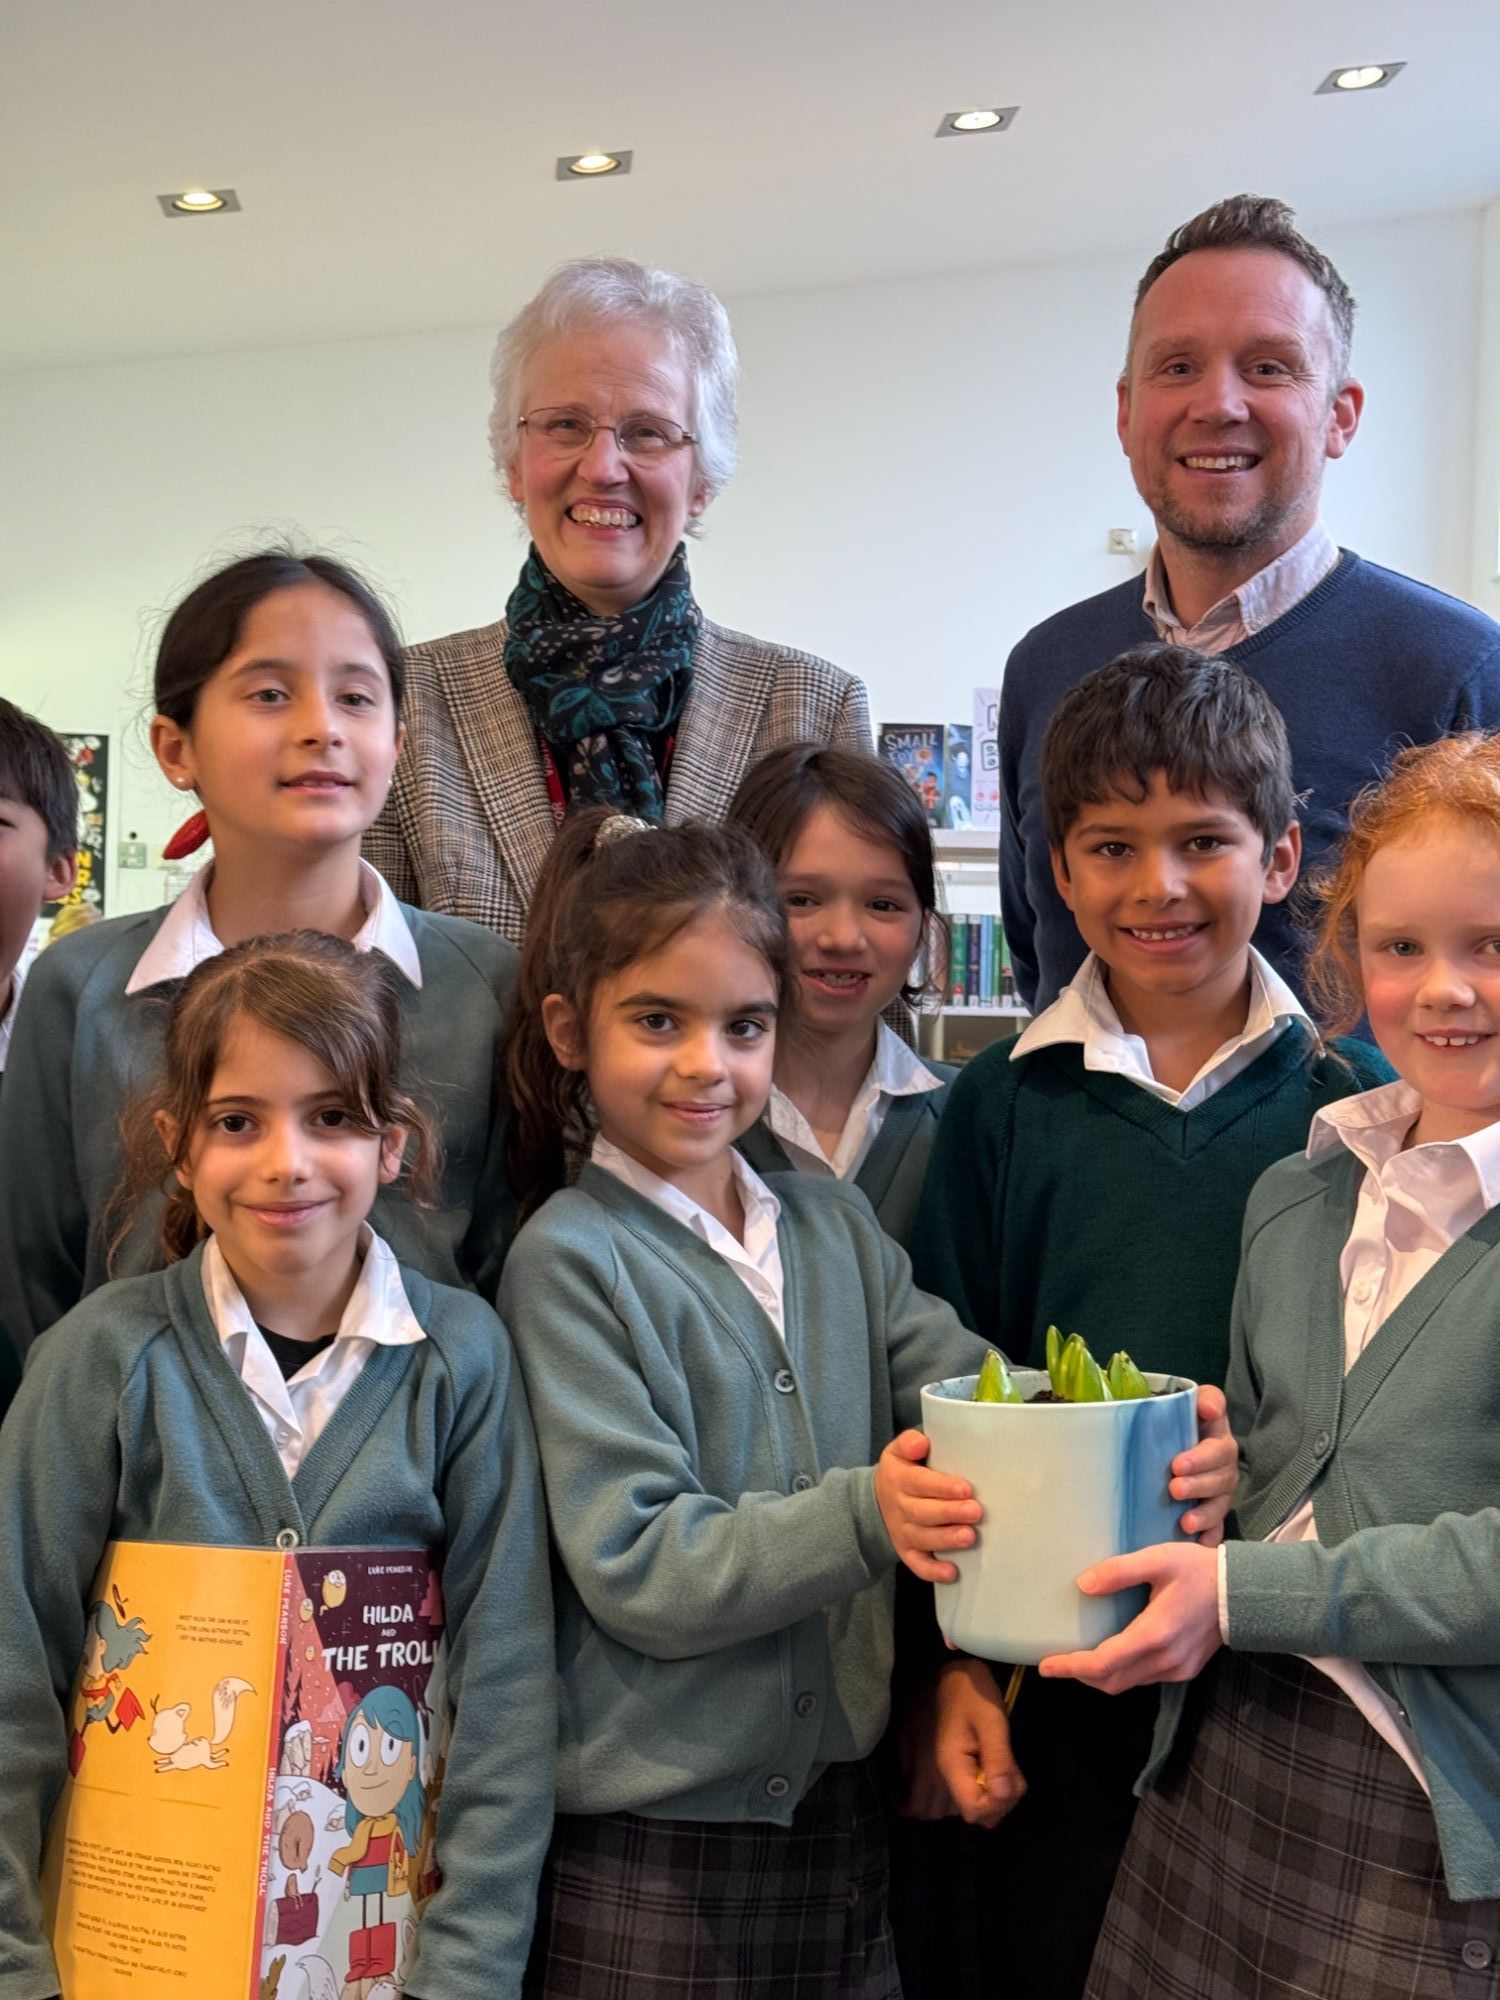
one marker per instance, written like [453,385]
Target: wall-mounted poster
[89,756]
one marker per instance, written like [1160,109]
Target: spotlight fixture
[592,166]
[1364,76]
[199,201]
[992,118]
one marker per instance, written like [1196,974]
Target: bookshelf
[968,864]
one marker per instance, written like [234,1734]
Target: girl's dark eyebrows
[669,1003]
[252,1103]
[267,663]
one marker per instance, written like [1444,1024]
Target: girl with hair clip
[1321,1813]
[853,860]
[284,1381]
[713,1361]
[278,685]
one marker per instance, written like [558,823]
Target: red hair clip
[188,838]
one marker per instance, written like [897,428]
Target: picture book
[984,791]
[958,758]
[916,750]
[255,1753]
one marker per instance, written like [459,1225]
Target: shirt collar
[186,937]
[378,1311]
[8,1019]
[1374,1125]
[760,1205]
[1260,600]
[1083,1012]
[896,1070]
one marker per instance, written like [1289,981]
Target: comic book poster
[89,756]
[255,1746]
[916,750]
[958,769]
[984,801]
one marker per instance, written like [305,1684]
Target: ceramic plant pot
[1063,1485]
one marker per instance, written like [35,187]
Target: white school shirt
[8,1019]
[896,1071]
[1412,1206]
[186,937]
[1260,600]
[297,1412]
[1083,1012]
[756,1262]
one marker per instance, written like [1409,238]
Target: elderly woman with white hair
[613,428]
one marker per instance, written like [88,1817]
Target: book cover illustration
[984,798]
[958,766]
[255,1760]
[916,750]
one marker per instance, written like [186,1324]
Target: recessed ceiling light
[1364,76]
[990,118]
[591,166]
[199,201]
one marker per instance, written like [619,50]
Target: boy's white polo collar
[8,1018]
[1083,1013]
[186,937]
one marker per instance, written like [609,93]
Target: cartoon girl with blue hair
[379,1767]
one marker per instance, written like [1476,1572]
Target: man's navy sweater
[1366,662]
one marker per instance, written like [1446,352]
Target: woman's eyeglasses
[568,432]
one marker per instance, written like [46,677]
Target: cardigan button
[287,1538]
[1320,1444]
[1477,1954]
[784,1381]
[777,1787]
[803,1483]
[805,1704]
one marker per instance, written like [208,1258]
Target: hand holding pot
[923,1510]
[1171,1640]
[1209,1473]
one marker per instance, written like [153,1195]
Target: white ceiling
[395,157]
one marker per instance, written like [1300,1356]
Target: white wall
[929,466]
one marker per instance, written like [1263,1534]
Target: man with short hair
[1236,391]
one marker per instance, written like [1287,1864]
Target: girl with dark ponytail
[714,1361]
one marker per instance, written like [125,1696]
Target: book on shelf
[984,789]
[958,771]
[255,1752]
[916,751]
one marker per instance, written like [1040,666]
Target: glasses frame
[572,409]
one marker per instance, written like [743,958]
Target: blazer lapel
[499,747]
[719,727]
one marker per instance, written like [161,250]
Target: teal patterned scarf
[599,688]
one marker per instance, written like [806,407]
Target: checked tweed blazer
[468,822]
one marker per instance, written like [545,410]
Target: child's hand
[923,1510]
[1172,1639]
[955,1748]
[1209,1472]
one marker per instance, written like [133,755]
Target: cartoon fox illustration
[176,1750]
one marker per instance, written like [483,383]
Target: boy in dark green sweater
[1092,1172]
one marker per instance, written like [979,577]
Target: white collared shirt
[297,1412]
[756,1262]
[1083,1012]
[8,1018]
[896,1071]
[1413,1205]
[186,937]
[1260,600]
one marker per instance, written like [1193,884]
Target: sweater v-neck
[1186,1132]
[280,1504]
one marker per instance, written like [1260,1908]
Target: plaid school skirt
[660,1909]
[1287,1854]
